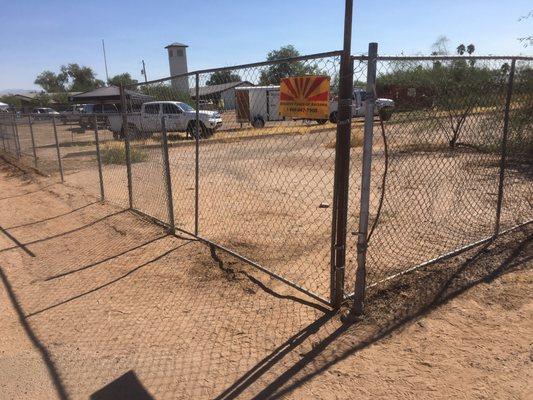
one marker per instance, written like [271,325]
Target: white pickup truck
[383,107]
[180,117]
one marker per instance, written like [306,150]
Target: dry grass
[115,153]
[356,138]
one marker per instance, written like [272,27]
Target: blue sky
[39,35]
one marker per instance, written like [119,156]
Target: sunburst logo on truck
[304,97]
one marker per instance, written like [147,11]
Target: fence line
[453,149]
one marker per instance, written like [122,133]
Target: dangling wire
[383,179]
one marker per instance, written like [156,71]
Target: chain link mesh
[444,149]
[261,186]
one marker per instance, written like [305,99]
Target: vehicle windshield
[185,107]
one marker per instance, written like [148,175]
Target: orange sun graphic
[305,89]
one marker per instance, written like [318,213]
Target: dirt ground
[269,197]
[96,301]
[267,193]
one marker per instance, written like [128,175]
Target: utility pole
[105,62]
[144,72]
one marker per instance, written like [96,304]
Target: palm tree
[461,49]
[470,48]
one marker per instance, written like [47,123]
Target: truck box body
[255,103]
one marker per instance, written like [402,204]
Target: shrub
[115,153]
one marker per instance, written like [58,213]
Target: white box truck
[258,104]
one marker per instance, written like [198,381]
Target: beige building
[177,61]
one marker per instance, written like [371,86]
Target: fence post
[503,158]
[3,135]
[59,163]
[99,159]
[197,157]
[16,136]
[32,142]
[168,181]
[342,165]
[362,242]
[125,135]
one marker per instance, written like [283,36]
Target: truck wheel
[191,130]
[333,117]
[258,122]
[133,131]
[385,113]
[321,121]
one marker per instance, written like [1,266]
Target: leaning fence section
[266,185]
[517,205]
[243,177]
[436,160]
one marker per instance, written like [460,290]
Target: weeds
[115,153]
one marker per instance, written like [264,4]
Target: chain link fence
[451,166]
[447,158]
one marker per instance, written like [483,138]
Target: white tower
[177,61]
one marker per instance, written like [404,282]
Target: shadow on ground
[116,307]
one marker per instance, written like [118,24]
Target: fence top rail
[240,66]
[438,58]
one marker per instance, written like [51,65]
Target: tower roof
[176,44]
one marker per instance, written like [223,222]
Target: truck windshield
[185,107]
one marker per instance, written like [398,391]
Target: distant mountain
[16,91]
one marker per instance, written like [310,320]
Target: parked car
[44,113]
[72,113]
[180,117]
[101,111]
[384,107]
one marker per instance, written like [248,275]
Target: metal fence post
[32,142]
[342,166]
[16,136]
[3,135]
[503,158]
[99,159]
[125,135]
[168,181]
[362,242]
[197,157]
[59,163]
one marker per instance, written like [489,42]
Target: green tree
[42,99]
[82,78]
[455,89]
[12,100]
[440,46]
[72,77]
[220,77]
[124,79]
[162,92]
[461,49]
[273,74]
[470,49]
[52,82]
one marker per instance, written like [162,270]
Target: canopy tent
[109,95]
[4,105]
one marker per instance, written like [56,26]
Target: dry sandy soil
[96,301]
[261,196]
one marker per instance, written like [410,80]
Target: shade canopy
[109,94]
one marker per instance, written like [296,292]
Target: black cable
[383,180]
